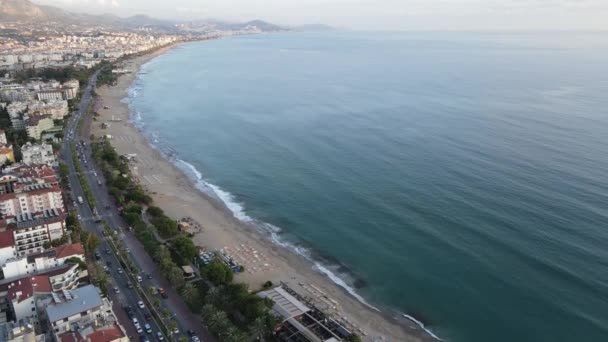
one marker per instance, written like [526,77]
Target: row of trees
[86,189]
[231,312]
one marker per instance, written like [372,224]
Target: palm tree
[214,295]
[258,329]
[190,294]
[207,311]
[232,334]
[218,321]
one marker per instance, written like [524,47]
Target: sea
[458,178]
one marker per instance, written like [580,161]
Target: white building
[20,296]
[79,308]
[39,262]
[31,232]
[29,198]
[50,95]
[38,154]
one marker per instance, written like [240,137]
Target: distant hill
[25,10]
[21,10]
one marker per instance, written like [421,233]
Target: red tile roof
[103,334]
[67,251]
[7,239]
[24,288]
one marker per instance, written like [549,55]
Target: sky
[371,14]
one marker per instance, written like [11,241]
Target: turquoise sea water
[461,178]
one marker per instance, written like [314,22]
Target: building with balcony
[50,95]
[31,232]
[42,261]
[27,195]
[24,298]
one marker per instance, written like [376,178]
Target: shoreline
[180,196]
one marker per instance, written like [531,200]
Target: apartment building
[39,262]
[38,154]
[31,232]
[22,299]
[28,198]
[35,125]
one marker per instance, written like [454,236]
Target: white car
[160,336]
[116,289]
[141,305]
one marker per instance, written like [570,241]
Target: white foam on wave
[340,282]
[422,326]
[238,211]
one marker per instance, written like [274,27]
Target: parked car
[160,336]
[116,289]
[141,305]
[148,328]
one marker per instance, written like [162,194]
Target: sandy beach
[176,194]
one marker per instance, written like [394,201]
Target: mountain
[25,10]
[21,10]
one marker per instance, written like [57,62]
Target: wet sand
[218,229]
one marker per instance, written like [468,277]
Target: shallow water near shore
[459,178]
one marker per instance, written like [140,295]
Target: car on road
[190,332]
[129,311]
[160,336]
[119,270]
[143,338]
[135,320]
[162,292]
[195,339]
[141,304]
[127,250]
[139,278]
[108,251]
[149,275]
[147,316]
[116,289]
[109,263]
[129,285]
[97,256]
[106,269]
[175,331]
[148,328]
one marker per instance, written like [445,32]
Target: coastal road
[109,212]
[126,296]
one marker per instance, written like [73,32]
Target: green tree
[165,226]
[191,296]
[218,272]
[185,247]
[155,211]
[176,277]
[75,260]
[215,296]
[353,338]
